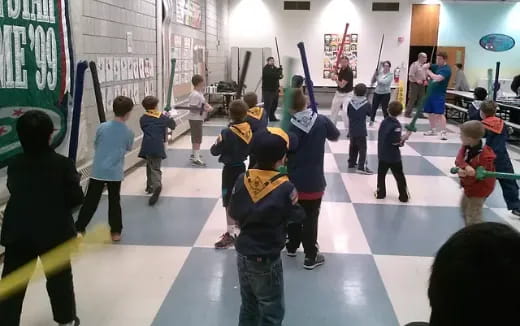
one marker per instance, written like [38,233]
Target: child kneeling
[474,154]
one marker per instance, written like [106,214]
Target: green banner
[35,67]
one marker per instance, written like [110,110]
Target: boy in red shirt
[474,154]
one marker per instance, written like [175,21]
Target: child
[113,140]
[233,147]
[496,138]
[472,155]
[389,153]
[256,116]
[198,109]
[480,95]
[154,125]
[44,188]
[357,110]
[305,168]
[263,202]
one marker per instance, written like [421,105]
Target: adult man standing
[434,104]
[416,78]
[345,81]
[271,76]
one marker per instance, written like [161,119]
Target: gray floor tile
[435,149]
[412,165]
[336,190]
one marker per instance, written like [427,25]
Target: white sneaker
[444,135]
[430,133]
[198,162]
[371,124]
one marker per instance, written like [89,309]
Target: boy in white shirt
[198,112]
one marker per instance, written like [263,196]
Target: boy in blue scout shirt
[233,147]
[480,95]
[305,165]
[390,140]
[263,202]
[257,118]
[357,110]
[154,125]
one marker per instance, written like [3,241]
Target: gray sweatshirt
[384,83]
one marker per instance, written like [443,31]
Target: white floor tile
[424,190]
[342,147]
[406,282]
[442,163]
[330,165]
[178,182]
[215,226]
[508,217]
[184,142]
[118,285]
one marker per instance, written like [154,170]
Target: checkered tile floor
[165,271]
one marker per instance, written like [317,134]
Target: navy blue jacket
[263,223]
[257,118]
[474,112]
[358,110]
[496,138]
[232,148]
[154,126]
[305,162]
[389,140]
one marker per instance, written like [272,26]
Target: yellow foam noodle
[55,260]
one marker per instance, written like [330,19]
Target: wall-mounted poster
[117,91]
[331,46]
[124,91]
[117,69]
[142,73]
[110,98]
[130,68]
[109,69]
[135,63]
[189,13]
[497,42]
[101,61]
[135,93]
[124,68]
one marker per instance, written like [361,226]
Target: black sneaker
[365,171]
[404,198]
[516,212]
[312,263]
[155,196]
[379,195]
[149,190]
[352,166]
[72,323]
[291,253]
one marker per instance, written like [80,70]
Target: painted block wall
[463,24]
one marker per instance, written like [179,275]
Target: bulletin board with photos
[332,44]
[188,12]
[190,59]
[123,76]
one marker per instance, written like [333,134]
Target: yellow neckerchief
[242,130]
[153,113]
[256,112]
[260,183]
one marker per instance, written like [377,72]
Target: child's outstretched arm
[216,149]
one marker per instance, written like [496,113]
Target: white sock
[196,154]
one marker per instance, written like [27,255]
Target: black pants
[59,287]
[509,187]
[397,171]
[95,189]
[380,99]
[270,99]
[307,232]
[358,145]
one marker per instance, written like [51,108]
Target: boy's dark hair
[238,110]
[459,65]
[489,108]
[473,129]
[270,58]
[474,277]
[297,81]
[299,100]
[251,99]
[268,148]
[34,130]
[150,103]
[196,80]
[122,105]
[443,55]
[480,93]
[360,89]
[389,63]
[395,108]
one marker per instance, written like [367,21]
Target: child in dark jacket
[358,109]
[480,95]
[263,202]
[155,125]
[496,138]
[305,166]
[44,188]
[471,156]
[389,141]
[257,118]
[233,147]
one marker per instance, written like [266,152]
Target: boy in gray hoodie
[358,109]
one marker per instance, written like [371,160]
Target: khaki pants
[153,173]
[471,208]
[415,96]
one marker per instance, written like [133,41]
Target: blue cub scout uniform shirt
[389,139]
[154,134]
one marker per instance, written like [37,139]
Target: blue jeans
[262,291]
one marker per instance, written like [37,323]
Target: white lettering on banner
[40,11]
[20,38]
[52,14]
[13,8]
[52,60]
[26,13]
[1,8]
[7,75]
[2,61]
[41,57]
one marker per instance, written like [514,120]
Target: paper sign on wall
[152,68]
[135,94]
[124,91]
[135,62]
[147,88]
[101,61]
[130,42]
[142,73]
[117,91]
[117,69]
[130,68]
[124,68]
[110,98]
[109,69]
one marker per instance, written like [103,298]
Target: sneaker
[116,237]
[155,196]
[378,195]
[312,263]
[516,213]
[405,198]
[365,171]
[291,253]
[149,190]
[226,241]
[430,133]
[352,166]
[371,124]
[192,157]
[444,135]
[75,322]
[198,162]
